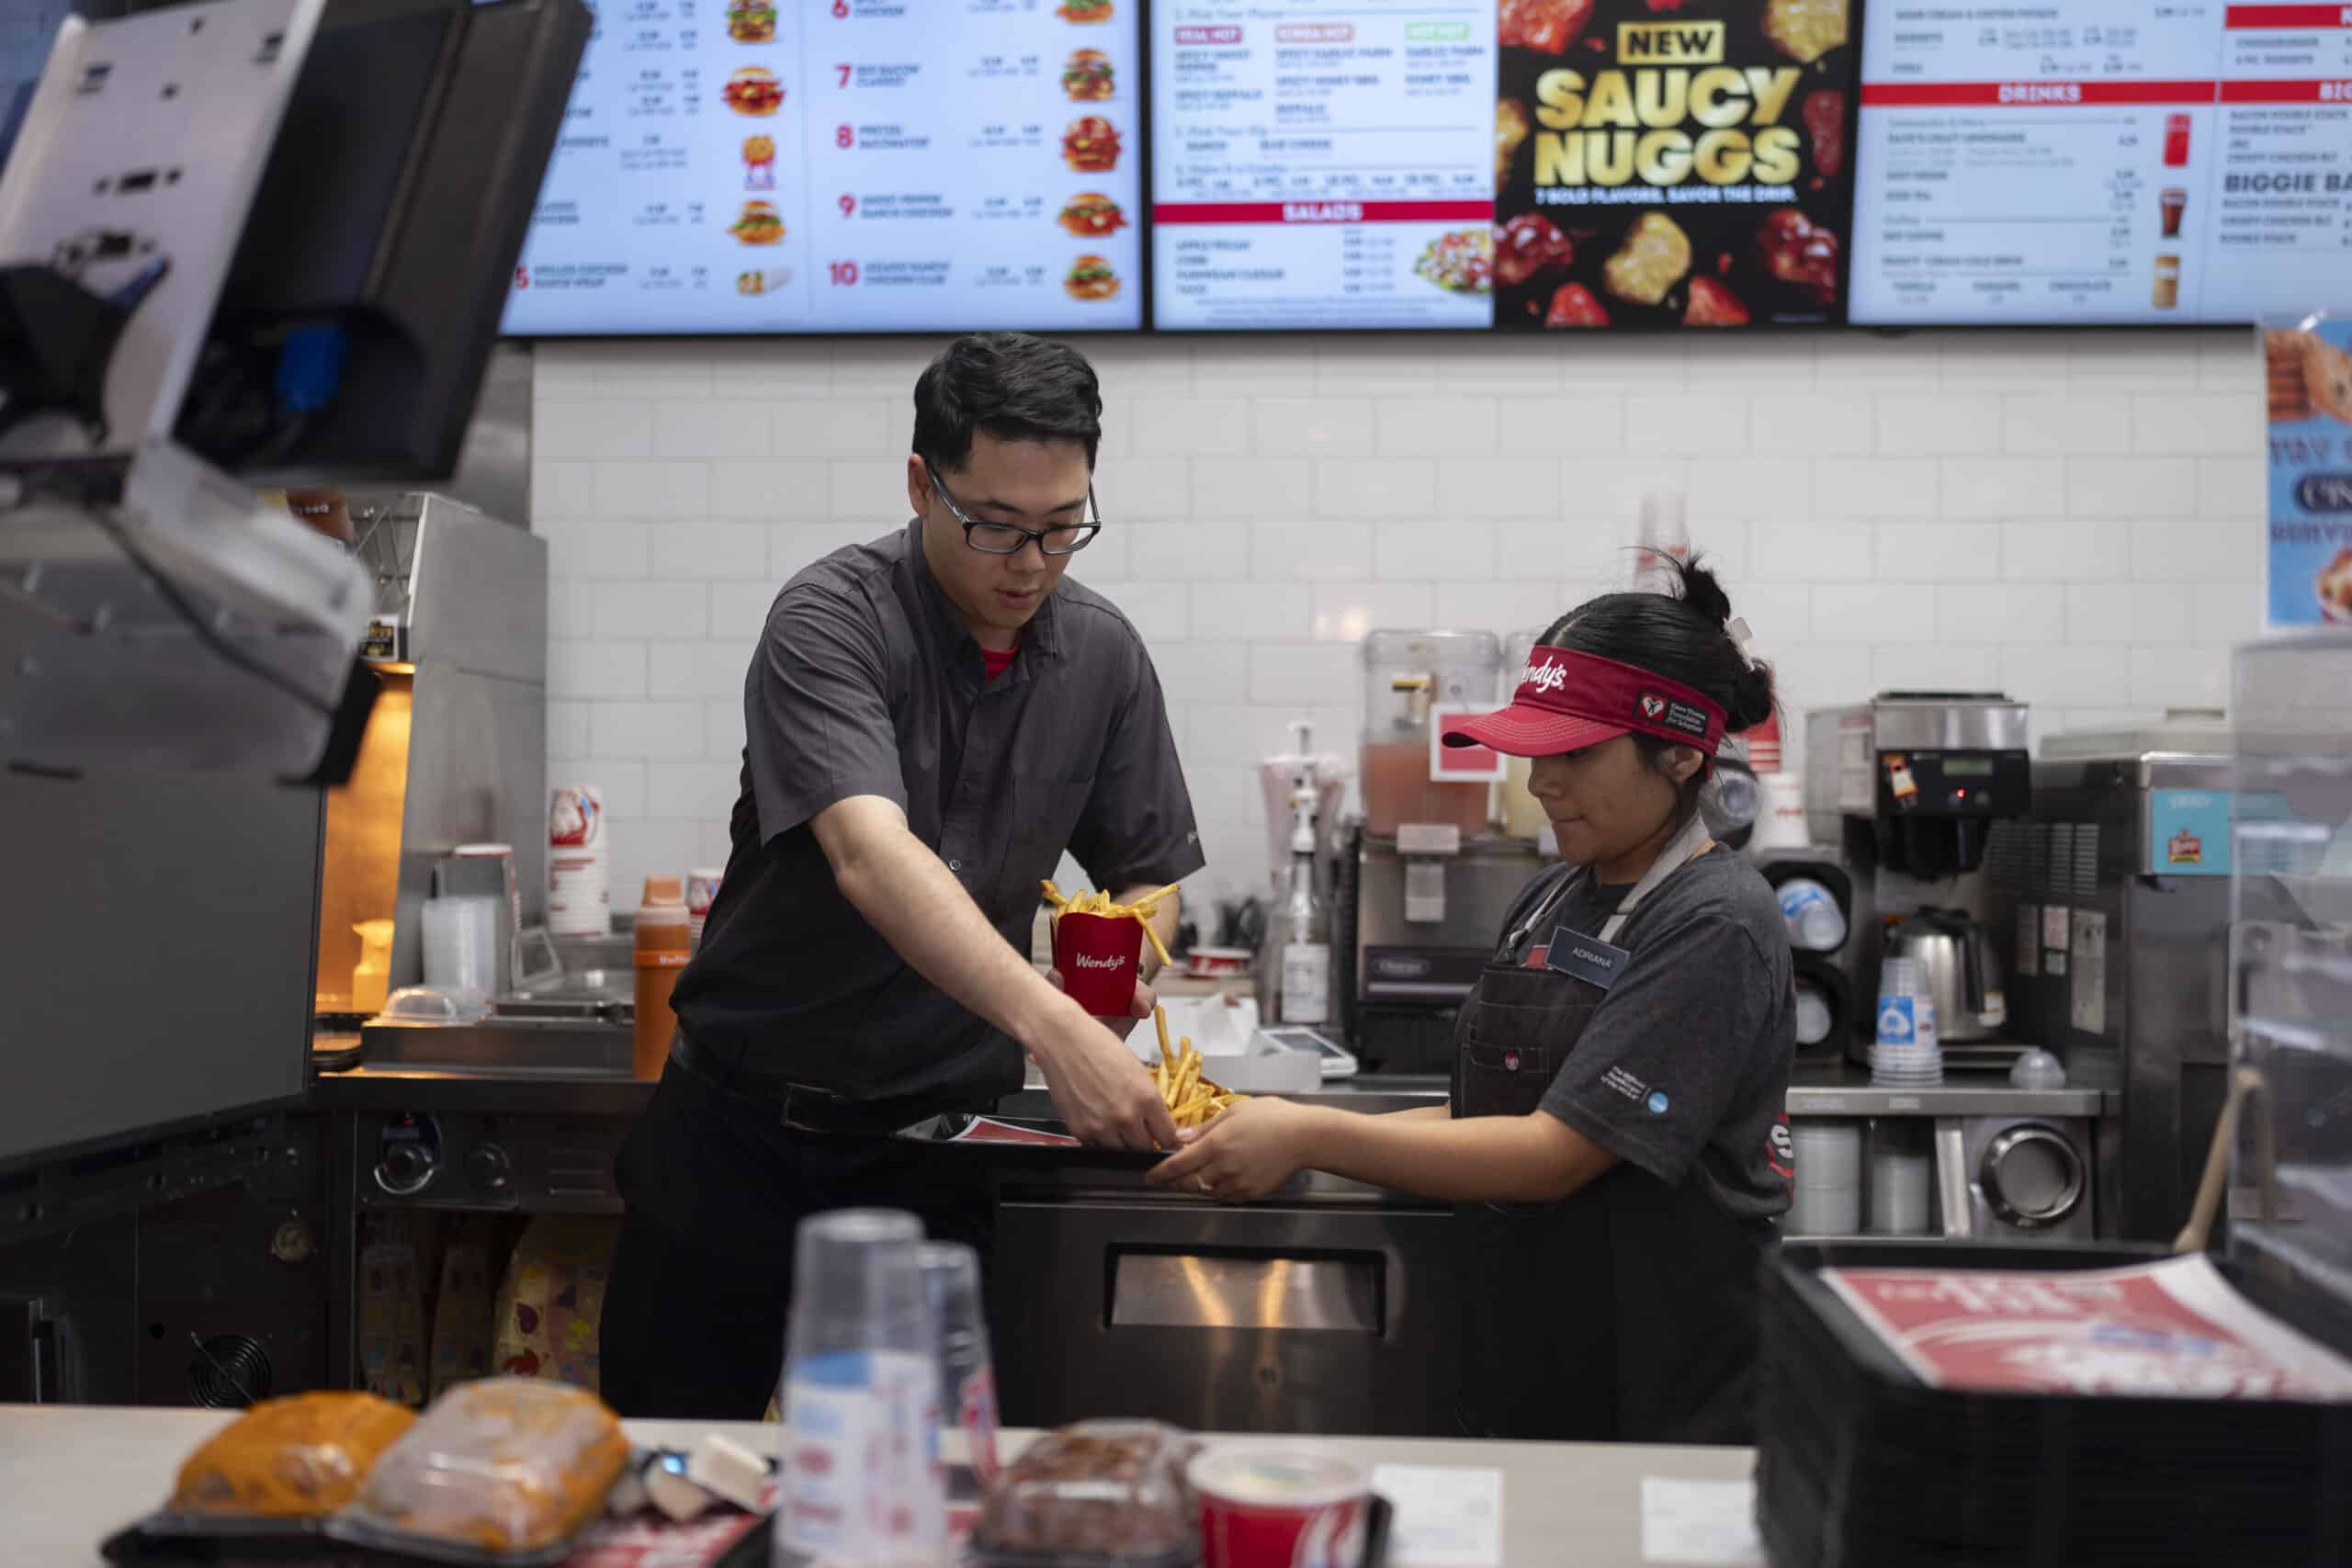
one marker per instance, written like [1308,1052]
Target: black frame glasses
[1085,531]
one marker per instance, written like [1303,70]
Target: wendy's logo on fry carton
[1088,961]
[2185,849]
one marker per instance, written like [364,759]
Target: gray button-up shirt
[865,683]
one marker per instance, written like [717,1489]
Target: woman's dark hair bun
[1751,687]
[1752,697]
[1701,590]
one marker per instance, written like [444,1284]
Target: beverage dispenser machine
[1426,879]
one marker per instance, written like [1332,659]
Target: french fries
[1190,1097]
[1100,903]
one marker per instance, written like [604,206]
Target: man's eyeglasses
[1006,539]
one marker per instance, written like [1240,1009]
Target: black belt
[800,1107]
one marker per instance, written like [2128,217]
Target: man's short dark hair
[1015,385]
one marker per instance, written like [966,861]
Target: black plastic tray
[1858,1463]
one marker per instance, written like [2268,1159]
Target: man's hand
[1138,1011]
[1103,1093]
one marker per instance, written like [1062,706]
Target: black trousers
[694,1322]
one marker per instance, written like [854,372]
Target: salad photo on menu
[1676,165]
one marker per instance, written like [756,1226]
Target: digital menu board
[2102,160]
[1529,165]
[843,166]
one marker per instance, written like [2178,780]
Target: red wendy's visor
[1568,700]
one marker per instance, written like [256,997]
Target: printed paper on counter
[2169,1329]
[1709,1524]
[1447,1515]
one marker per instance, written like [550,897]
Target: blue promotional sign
[2308,386]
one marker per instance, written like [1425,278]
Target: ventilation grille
[227,1371]
[2008,856]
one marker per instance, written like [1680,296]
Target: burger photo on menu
[1672,163]
[1090,215]
[1087,77]
[752,90]
[1084,10]
[1091,146]
[759,224]
[1090,277]
[751,21]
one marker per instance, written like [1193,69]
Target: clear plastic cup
[950,1277]
[863,1483]
[1811,913]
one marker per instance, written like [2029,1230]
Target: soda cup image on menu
[2172,202]
[2175,141]
[2167,294]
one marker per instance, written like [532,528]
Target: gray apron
[1625,1312]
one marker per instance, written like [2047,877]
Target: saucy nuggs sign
[1672,163]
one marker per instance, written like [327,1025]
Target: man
[931,719]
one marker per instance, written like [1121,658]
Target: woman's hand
[1246,1153]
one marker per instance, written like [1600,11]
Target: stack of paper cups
[702,887]
[1780,815]
[1828,1197]
[579,871]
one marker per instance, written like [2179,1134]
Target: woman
[1616,1137]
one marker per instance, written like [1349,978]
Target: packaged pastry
[1108,1493]
[298,1458]
[508,1467]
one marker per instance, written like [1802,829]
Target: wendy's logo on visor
[1652,707]
[1545,678]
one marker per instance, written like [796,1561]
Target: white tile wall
[2075,518]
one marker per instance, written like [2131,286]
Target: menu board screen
[1322,163]
[2102,160]
[1533,164]
[843,166]
[1672,165]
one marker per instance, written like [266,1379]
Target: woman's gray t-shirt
[1684,1070]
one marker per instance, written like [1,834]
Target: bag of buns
[298,1458]
[507,1466]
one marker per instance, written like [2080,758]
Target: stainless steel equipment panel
[1329,1314]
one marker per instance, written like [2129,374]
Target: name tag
[1586,957]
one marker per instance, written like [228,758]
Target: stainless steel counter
[1814,1090]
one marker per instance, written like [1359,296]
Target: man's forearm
[915,901]
[1486,1159]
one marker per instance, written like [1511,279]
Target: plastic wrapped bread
[506,1465]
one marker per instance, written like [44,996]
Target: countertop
[71,1475]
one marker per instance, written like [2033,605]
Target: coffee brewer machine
[1908,786]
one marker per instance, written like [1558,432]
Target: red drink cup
[1098,955]
[1272,1507]
[2175,141]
